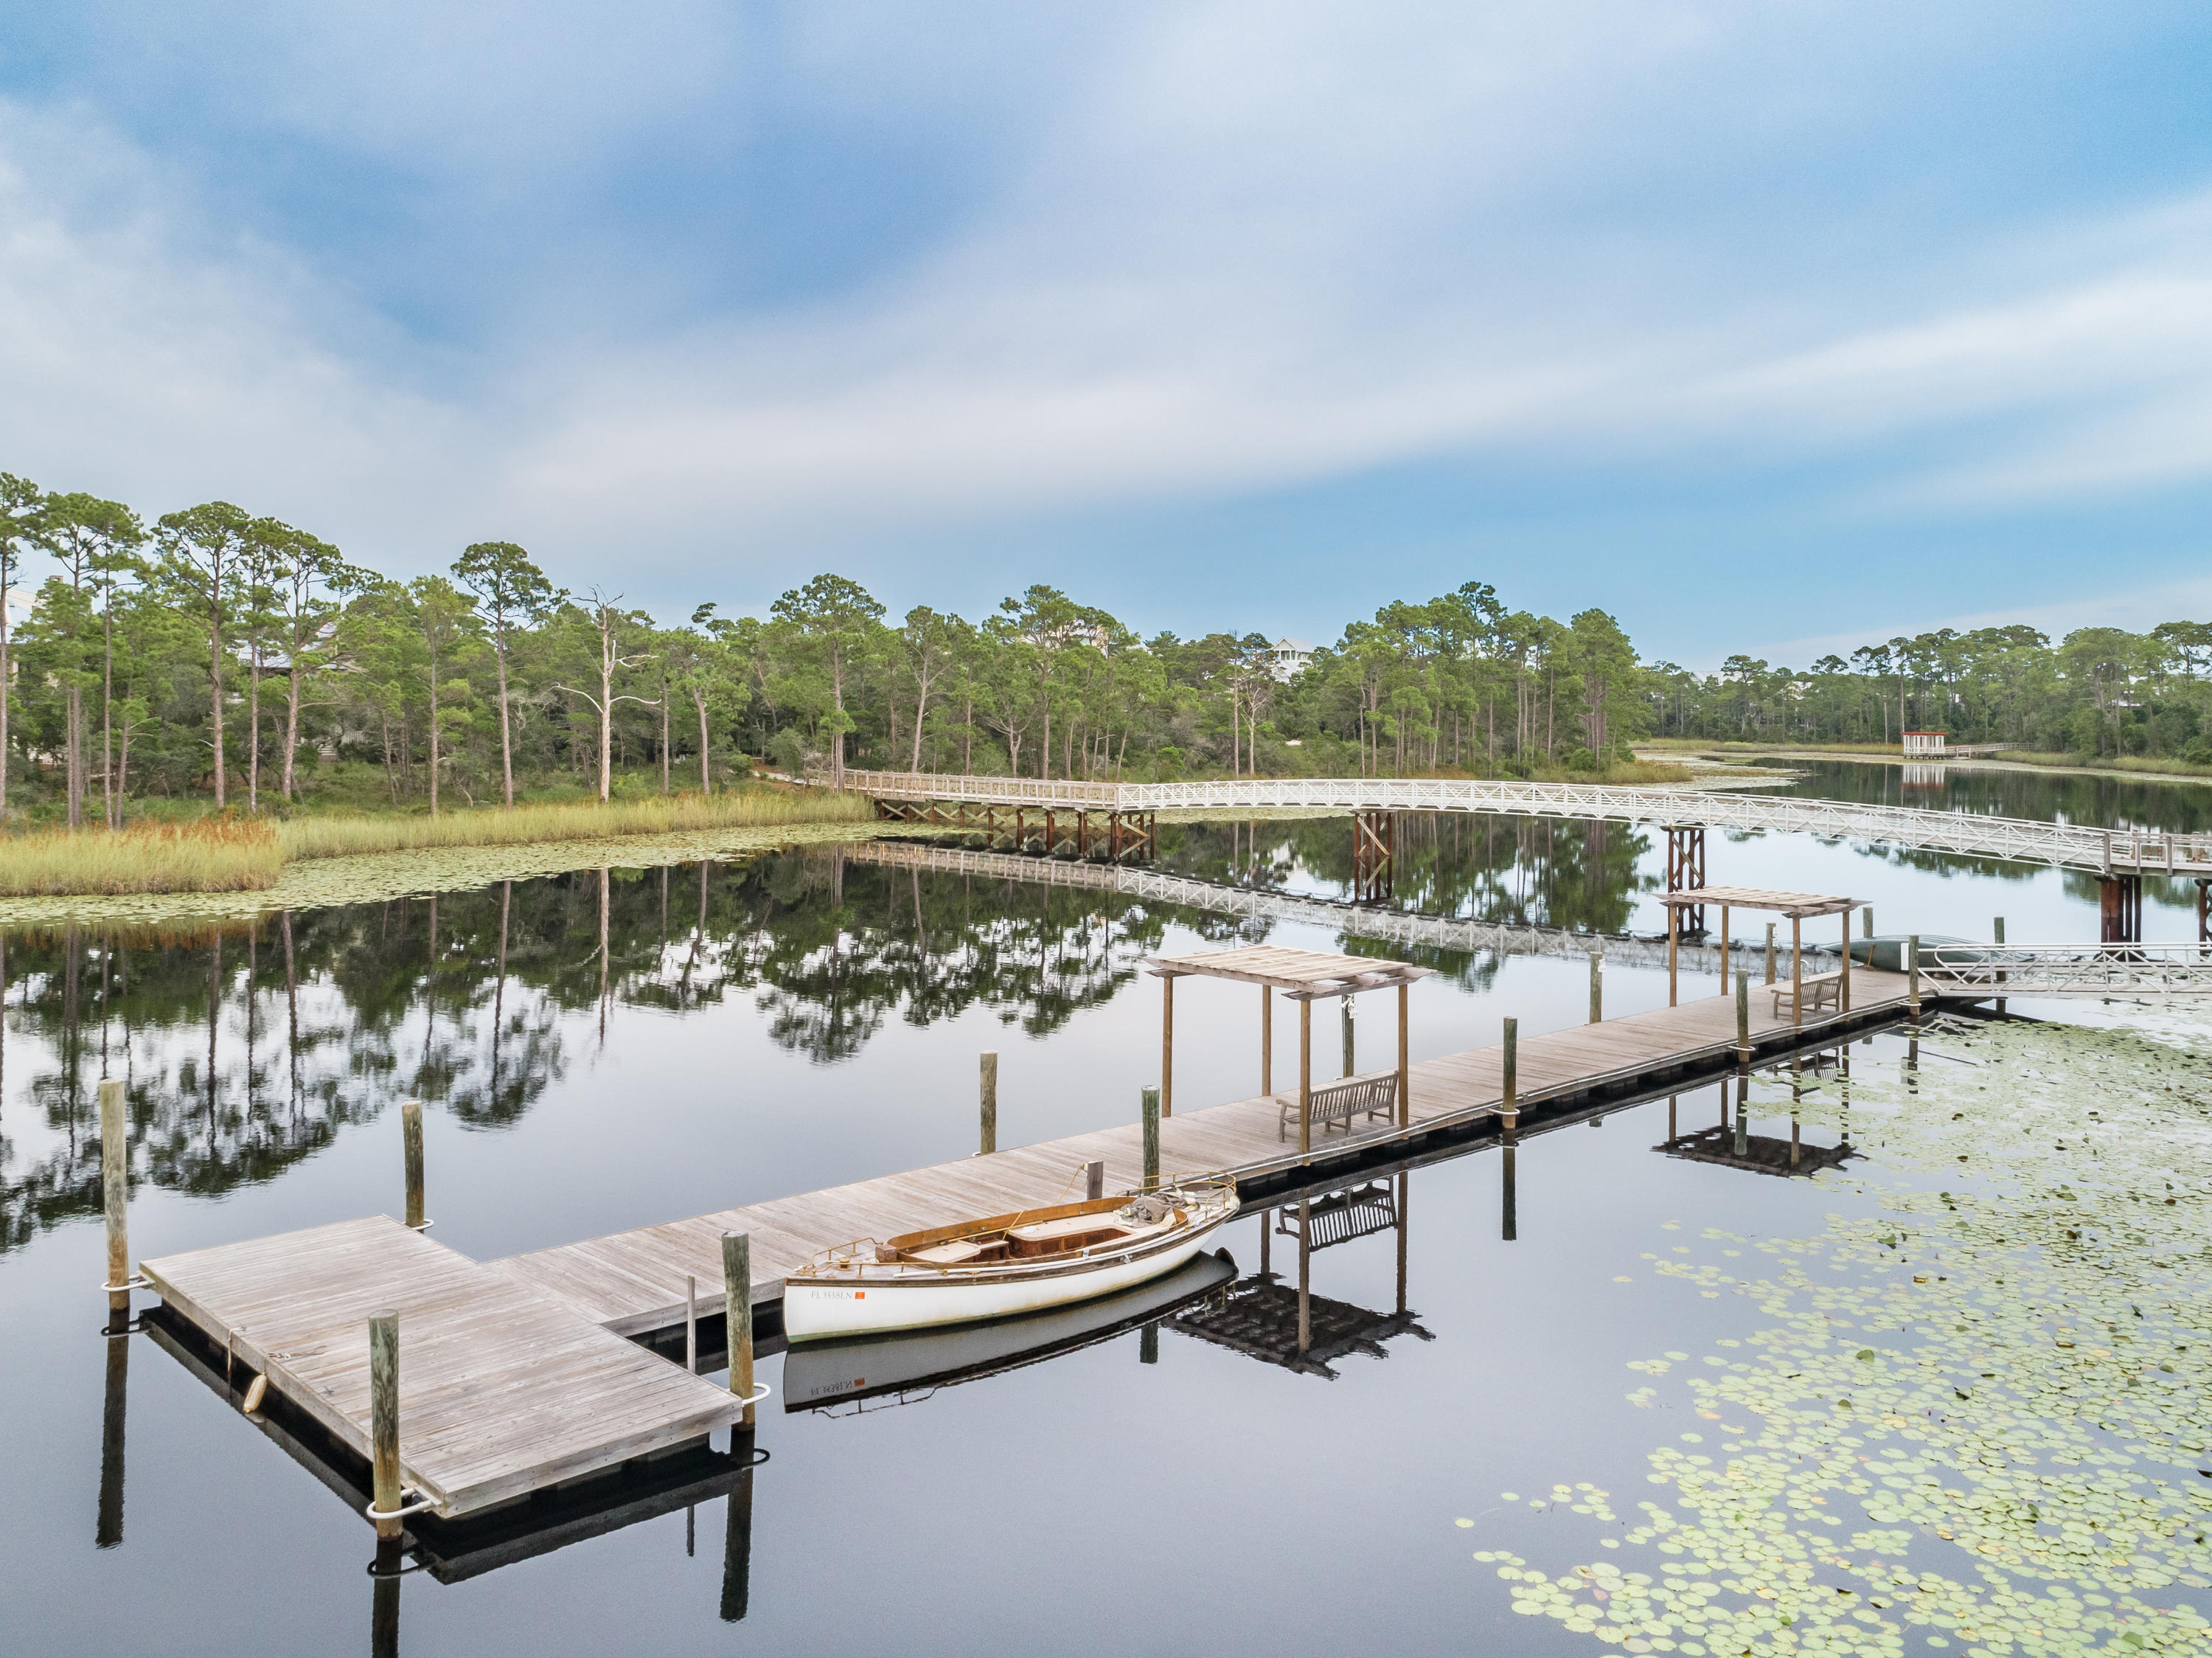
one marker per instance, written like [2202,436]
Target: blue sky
[1764,326]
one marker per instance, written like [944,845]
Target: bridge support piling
[1686,870]
[2119,909]
[2204,911]
[1374,853]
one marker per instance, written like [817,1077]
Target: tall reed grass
[325,837]
[223,854]
[213,855]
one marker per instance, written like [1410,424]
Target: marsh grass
[213,855]
[227,854]
[324,838]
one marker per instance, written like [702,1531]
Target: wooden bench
[1335,1104]
[1822,991]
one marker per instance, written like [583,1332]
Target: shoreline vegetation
[2165,770]
[232,854]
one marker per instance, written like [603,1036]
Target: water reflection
[2102,800]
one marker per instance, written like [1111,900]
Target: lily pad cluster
[1971,1413]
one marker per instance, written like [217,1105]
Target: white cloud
[1244,248]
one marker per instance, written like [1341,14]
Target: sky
[1774,327]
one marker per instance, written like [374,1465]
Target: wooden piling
[384,1418]
[1996,936]
[115,1192]
[737,1316]
[691,1322]
[1866,921]
[1743,1018]
[410,1142]
[1151,1116]
[1597,987]
[989,1139]
[1912,974]
[109,1526]
[1094,1181]
[1344,1018]
[1511,1105]
[1769,952]
[1674,954]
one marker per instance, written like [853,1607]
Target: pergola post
[1796,974]
[1267,1041]
[1167,1045]
[1305,1077]
[1405,1077]
[1844,995]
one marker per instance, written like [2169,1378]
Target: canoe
[908,1366]
[1002,1266]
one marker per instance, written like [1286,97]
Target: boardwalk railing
[1970,834]
[2068,969]
[1395,927]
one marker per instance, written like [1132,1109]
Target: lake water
[605,1051]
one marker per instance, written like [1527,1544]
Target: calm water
[605,1052]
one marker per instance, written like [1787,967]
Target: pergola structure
[1800,907]
[1304,977]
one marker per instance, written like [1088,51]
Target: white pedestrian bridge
[1970,834]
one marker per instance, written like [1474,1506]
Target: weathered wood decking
[502,1389]
[515,1374]
[633,1282]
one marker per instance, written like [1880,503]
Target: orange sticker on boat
[860,1295]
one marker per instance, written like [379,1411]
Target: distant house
[1287,656]
[1926,745]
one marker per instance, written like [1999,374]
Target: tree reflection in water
[247,1049]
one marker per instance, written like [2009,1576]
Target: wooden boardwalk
[633,1282]
[502,1389]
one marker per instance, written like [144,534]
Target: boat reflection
[848,1377]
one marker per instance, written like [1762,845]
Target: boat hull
[818,1310]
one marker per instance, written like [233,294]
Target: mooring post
[1510,1106]
[410,1142]
[1797,973]
[1094,1181]
[737,1317]
[1345,1003]
[1151,1116]
[384,1418]
[1769,952]
[1597,987]
[115,1192]
[1866,922]
[1996,936]
[989,1141]
[691,1322]
[1742,1019]
[1912,971]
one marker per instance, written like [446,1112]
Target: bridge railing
[2068,969]
[1968,833]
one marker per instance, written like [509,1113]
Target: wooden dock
[633,1282]
[502,1389]
[518,1375]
